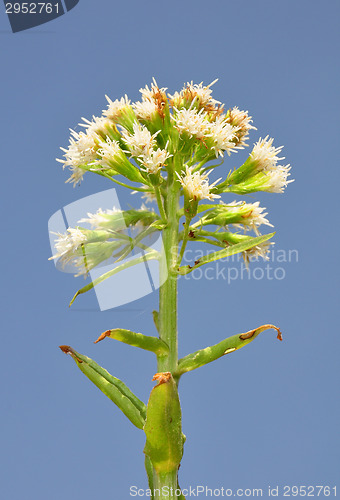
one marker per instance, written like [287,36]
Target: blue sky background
[264,416]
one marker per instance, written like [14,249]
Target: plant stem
[168,280]
[166,484]
[160,203]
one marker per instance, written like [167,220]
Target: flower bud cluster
[260,172]
[136,140]
[84,248]
[165,142]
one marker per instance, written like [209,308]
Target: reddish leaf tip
[103,336]
[66,349]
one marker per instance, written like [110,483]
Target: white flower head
[265,155]
[223,135]
[196,185]
[151,94]
[140,141]
[67,243]
[277,179]
[145,110]
[108,151]
[242,121]
[202,93]
[115,108]
[192,122]
[195,92]
[153,160]
[253,216]
[262,250]
[256,215]
[81,151]
[100,218]
[240,118]
[98,125]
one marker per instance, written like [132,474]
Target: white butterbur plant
[169,149]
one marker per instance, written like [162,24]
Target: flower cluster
[82,249]
[246,216]
[147,133]
[165,142]
[81,151]
[260,172]
[86,248]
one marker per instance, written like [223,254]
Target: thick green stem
[168,278]
[165,485]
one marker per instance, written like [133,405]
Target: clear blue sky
[266,415]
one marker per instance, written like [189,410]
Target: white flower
[193,122]
[241,120]
[145,110]
[100,218]
[108,151]
[201,94]
[251,213]
[265,155]
[98,125]
[277,179]
[66,244]
[115,108]
[141,140]
[262,250]
[154,160]
[81,151]
[77,175]
[256,216]
[150,94]
[196,185]
[223,135]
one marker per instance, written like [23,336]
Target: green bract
[163,426]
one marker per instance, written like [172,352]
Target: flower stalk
[168,277]
[167,318]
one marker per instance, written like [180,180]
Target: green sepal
[242,173]
[153,344]
[221,254]
[164,438]
[112,387]
[148,256]
[146,217]
[120,220]
[190,206]
[223,215]
[228,345]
